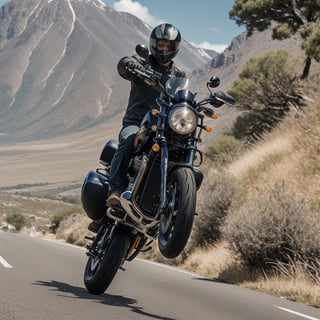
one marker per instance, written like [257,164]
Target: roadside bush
[73,229]
[223,150]
[62,215]
[214,200]
[17,220]
[276,225]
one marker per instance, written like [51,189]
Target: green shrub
[214,200]
[17,220]
[223,150]
[62,215]
[276,225]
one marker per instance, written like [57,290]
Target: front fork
[164,170]
[161,140]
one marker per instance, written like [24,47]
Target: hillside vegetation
[270,232]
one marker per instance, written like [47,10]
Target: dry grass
[264,156]
[38,212]
[219,262]
[299,288]
[289,153]
[74,229]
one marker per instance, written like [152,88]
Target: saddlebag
[94,193]
[108,151]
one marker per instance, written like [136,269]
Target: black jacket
[142,97]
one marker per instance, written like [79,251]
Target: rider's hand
[133,66]
[147,67]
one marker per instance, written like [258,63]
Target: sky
[204,23]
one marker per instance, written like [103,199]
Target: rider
[164,45]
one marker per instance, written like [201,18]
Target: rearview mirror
[213,82]
[142,50]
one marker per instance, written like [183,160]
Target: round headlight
[182,120]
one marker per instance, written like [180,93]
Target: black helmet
[168,32]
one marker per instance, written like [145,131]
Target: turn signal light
[207,128]
[155,147]
[214,116]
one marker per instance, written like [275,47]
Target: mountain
[229,63]
[58,65]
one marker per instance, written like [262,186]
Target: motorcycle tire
[176,223]
[99,272]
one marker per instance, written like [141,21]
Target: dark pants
[121,159]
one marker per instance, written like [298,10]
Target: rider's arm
[126,67]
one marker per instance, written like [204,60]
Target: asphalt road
[42,280]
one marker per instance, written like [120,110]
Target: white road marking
[5,263]
[298,314]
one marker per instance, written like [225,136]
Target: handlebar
[149,74]
[151,77]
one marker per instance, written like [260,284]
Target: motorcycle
[160,200]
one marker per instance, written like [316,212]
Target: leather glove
[148,67]
[132,66]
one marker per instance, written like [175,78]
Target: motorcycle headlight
[182,120]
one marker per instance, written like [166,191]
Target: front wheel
[176,223]
[105,261]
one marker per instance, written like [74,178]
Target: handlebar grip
[156,76]
[149,76]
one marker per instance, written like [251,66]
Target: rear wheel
[176,223]
[104,262]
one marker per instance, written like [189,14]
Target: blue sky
[204,23]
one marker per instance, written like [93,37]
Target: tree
[266,91]
[291,17]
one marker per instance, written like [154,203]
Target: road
[42,280]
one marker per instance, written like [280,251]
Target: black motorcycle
[160,200]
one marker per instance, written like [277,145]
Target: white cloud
[137,9]
[142,12]
[211,46]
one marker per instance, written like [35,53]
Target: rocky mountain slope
[228,64]
[58,65]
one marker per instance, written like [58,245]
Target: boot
[114,199]
[95,225]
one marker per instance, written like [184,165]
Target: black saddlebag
[108,151]
[94,193]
